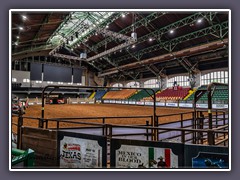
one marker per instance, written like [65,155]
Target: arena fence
[205,131]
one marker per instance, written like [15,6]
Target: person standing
[161,163]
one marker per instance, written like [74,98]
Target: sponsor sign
[149,103]
[201,105]
[160,104]
[140,103]
[106,101]
[188,105]
[119,102]
[83,102]
[80,153]
[125,102]
[129,156]
[220,106]
[172,104]
[132,102]
[91,102]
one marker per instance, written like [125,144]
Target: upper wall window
[133,84]
[26,80]
[218,76]
[152,83]
[180,80]
[14,79]
[117,85]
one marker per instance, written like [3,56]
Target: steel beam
[177,40]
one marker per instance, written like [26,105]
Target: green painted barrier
[27,157]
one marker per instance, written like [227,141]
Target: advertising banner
[149,103]
[210,160]
[76,150]
[160,104]
[132,102]
[201,105]
[187,105]
[220,106]
[129,156]
[140,103]
[106,101]
[172,104]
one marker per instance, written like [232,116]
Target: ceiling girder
[177,40]
[128,29]
[182,53]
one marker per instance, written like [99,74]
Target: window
[38,81]
[60,82]
[117,85]
[152,83]
[218,76]
[26,80]
[79,83]
[181,81]
[133,84]
[14,79]
[49,82]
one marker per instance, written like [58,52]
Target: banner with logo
[76,152]
[145,157]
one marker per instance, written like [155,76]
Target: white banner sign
[160,104]
[220,106]
[185,105]
[132,102]
[83,102]
[119,102]
[172,104]
[125,102]
[201,105]
[106,101]
[149,103]
[80,153]
[140,103]
[145,157]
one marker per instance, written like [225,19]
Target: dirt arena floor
[100,110]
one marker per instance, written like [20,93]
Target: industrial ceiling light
[199,20]
[17,37]
[20,28]
[24,17]
[107,26]
[123,15]
[150,39]
[133,46]
[171,31]
[16,43]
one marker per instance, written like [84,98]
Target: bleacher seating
[220,94]
[122,94]
[99,94]
[141,94]
[173,94]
